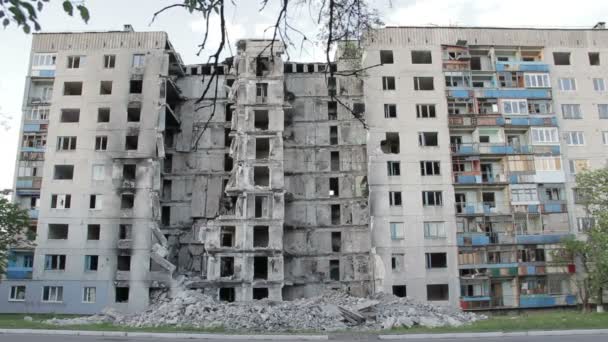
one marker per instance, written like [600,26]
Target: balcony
[490,149]
[482,208]
[477,177]
[546,300]
[39,149]
[473,239]
[522,66]
[18,273]
[550,207]
[32,128]
[525,121]
[499,93]
[538,239]
[122,275]
[33,214]
[28,183]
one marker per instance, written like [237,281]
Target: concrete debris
[331,311]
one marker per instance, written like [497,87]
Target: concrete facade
[456,193]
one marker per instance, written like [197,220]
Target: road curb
[495,334]
[165,335]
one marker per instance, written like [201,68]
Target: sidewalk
[165,335]
[496,334]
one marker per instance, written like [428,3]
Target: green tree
[14,222]
[591,250]
[25,13]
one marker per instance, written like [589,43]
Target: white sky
[185,32]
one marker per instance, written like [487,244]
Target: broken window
[421,57]
[129,171]
[70,115]
[136,86]
[436,260]
[334,270]
[260,119]
[335,214]
[391,143]
[95,202]
[261,92]
[261,176]
[227,137]
[260,293]
[64,143]
[91,262]
[428,139]
[64,172]
[594,58]
[165,215]
[561,58]
[103,115]
[386,57]
[127,201]
[394,198]
[93,231]
[423,83]
[394,168]
[388,83]
[109,61]
[124,231]
[261,204]
[287,68]
[58,232]
[336,241]
[475,63]
[228,162]
[390,110]
[331,86]
[228,110]
[168,163]
[133,114]
[122,295]
[299,67]
[262,148]
[260,267]
[123,262]
[105,88]
[166,192]
[260,236]
[335,161]
[432,198]
[131,142]
[227,294]
[399,291]
[101,143]
[437,292]
[333,135]
[227,235]
[334,187]
[429,168]
[332,110]
[425,111]
[262,66]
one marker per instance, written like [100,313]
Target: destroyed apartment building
[445,172]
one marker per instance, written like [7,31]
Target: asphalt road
[52,338]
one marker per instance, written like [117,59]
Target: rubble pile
[331,311]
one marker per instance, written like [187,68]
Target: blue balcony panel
[553,208]
[43,73]
[32,149]
[522,66]
[544,300]
[16,273]
[466,179]
[477,239]
[28,192]
[24,183]
[513,93]
[541,239]
[460,93]
[31,128]
[475,299]
[33,213]
[520,121]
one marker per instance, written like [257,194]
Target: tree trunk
[600,300]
